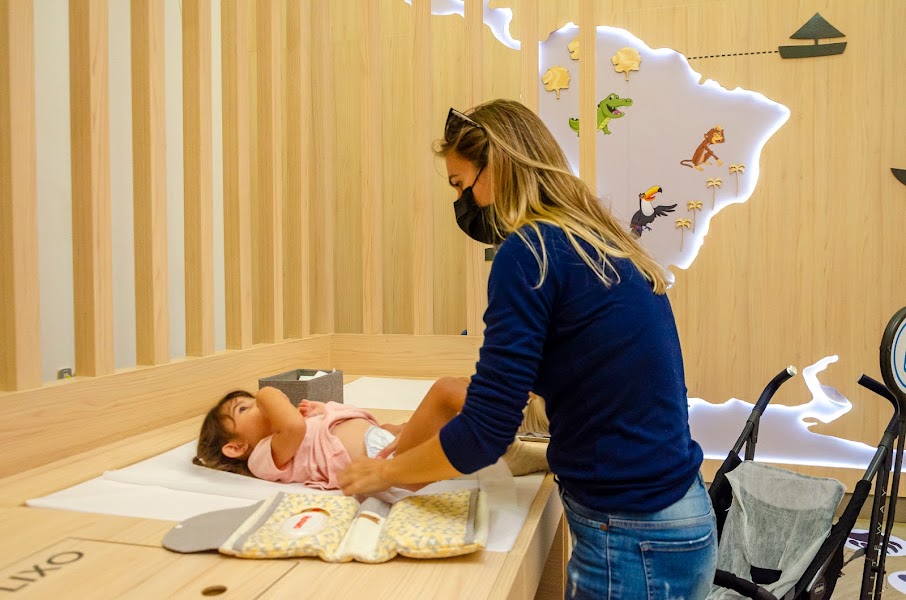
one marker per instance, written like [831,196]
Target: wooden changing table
[62,554]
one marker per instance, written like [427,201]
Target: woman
[577,312]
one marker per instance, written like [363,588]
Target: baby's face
[249,424]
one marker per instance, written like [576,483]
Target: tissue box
[325,388]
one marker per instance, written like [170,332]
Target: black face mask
[474,220]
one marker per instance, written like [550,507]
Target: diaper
[376,439]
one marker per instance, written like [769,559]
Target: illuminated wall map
[672,152]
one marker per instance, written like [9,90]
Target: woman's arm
[426,463]
[287,424]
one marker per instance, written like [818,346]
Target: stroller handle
[770,390]
[880,389]
[749,435]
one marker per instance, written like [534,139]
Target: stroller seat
[776,524]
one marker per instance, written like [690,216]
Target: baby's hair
[214,435]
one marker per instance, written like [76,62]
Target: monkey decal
[703,153]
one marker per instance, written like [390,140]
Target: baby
[264,435]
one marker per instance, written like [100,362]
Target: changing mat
[339,529]
[169,487]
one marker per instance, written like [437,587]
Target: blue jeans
[671,553]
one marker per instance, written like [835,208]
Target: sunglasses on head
[456,121]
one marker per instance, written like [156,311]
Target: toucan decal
[648,212]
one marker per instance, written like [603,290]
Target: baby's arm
[287,424]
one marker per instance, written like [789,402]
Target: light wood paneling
[806,268]
[149,173]
[88,412]
[587,101]
[140,567]
[405,355]
[528,54]
[268,293]
[236,178]
[372,173]
[198,202]
[408,166]
[68,471]
[323,211]
[348,58]
[75,566]
[476,279]
[92,263]
[298,173]
[554,15]
[424,177]
[20,325]
[450,57]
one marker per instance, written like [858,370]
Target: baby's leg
[526,457]
[529,457]
[442,402]
[445,400]
[534,416]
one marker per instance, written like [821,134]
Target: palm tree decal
[694,205]
[682,225]
[737,169]
[714,183]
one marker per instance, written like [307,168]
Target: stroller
[763,512]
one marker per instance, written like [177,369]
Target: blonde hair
[532,184]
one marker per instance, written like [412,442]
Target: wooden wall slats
[424,356]
[20,325]
[587,100]
[92,263]
[149,165]
[529,54]
[405,169]
[824,189]
[371,109]
[423,167]
[323,211]
[268,304]
[237,233]
[298,174]
[450,57]
[476,282]
[198,200]
[89,412]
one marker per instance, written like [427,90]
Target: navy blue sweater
[606,360]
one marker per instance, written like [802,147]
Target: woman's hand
[389,448]
[364,476]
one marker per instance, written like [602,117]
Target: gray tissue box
[326,388]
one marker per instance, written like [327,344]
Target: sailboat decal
[816,29]
[900,174]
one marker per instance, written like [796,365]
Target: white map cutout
[497,19]
[669,115]
[784,435]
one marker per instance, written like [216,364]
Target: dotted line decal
[737,54]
